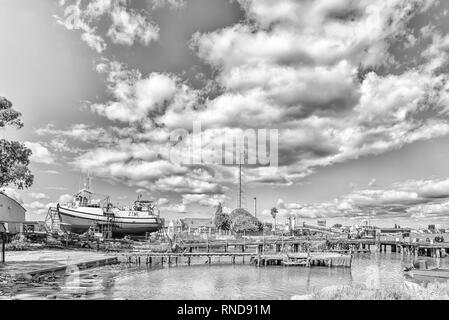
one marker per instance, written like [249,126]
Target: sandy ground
[27,261]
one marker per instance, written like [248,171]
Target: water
[230,281]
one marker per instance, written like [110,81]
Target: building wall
[12,214]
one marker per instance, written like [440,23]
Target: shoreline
[405,291]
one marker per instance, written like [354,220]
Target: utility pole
[240,184]
[255,207]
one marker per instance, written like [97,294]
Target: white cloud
[174,208]
[40,154]
[38,207]
[205,200]
[127,26]
[412,198]
[302,67]
[163,202]
[39,196]
[65,198]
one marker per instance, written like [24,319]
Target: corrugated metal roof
[4,194]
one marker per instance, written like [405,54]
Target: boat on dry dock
[84,213]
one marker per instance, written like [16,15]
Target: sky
[358,91]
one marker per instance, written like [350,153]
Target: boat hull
[79,222]
[432,273]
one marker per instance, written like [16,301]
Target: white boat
[431,273]
[83,213]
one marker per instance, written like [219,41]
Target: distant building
[321,223]
[404,232]
[190,225]
[395,230]
[12,214]
[199,225]
[175,225]
[34,226]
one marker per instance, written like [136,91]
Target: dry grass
[406,291]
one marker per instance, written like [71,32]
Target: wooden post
[3,248]
[263,242]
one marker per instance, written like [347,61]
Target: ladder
[108,227]
[52,221]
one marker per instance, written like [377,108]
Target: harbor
[224,150]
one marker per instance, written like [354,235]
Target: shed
[12,214]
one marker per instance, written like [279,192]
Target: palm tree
[274,212]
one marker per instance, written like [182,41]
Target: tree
[221,219]
[243,221]
[14,156]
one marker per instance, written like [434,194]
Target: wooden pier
[325,259]
[286,252]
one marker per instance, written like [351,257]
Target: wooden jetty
[325,259]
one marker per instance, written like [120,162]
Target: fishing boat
[84,213]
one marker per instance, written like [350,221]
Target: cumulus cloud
[322,72]
[40,154]
[163,202]
[38,207]
[65,198]
[39,196]
[205,200]
[412,198]
[138,98]
[127,25]
[174,208]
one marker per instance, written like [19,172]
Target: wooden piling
[3,248]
